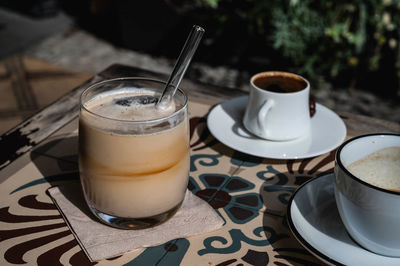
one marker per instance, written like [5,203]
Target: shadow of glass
[73,193]
[64,149]
[66,177]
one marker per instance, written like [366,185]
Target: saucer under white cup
[315,222]
[327,132]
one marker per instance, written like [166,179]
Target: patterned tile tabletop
[251,194]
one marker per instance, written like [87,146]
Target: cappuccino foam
[380,168]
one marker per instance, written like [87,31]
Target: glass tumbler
[133,156]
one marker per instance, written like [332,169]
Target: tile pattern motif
[251,194]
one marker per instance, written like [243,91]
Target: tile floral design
[216,192]
[249,193]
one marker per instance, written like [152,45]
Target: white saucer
[225,122]
[315,222]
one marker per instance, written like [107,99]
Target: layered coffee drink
[380,168]
[133,156]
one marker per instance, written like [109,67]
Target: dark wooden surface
[37,128]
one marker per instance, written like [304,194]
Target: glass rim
[157,120]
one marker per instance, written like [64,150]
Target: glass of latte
[133,155]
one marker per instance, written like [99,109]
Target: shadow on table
[73,193]
[204,139]
[65,174]
[63,148]
[276,192]
[234,110]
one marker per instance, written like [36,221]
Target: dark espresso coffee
[279,82]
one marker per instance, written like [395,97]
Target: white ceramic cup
[278,106]
[370,214]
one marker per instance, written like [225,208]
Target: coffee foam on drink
[380,168]
[121,105]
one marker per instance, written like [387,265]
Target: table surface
[250,193]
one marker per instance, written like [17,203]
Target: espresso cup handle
[262,114]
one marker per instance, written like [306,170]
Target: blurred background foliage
[338,43]
[346,43]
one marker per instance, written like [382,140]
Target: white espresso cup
[367,197]
[278,106]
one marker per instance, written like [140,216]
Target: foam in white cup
[380,168]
